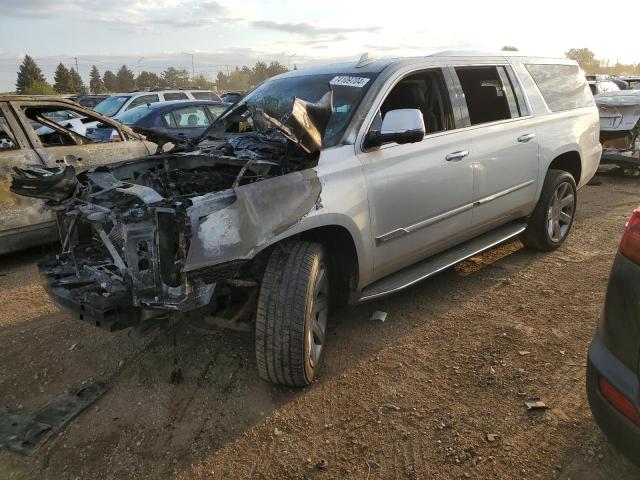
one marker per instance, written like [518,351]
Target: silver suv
[324,186]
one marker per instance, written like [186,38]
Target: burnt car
[613,373]
[620,127]
[42,132]
[320,187]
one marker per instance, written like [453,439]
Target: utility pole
[76,59]
[193,68]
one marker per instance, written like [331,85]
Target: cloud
[305,28]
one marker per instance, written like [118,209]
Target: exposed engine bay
[174,232]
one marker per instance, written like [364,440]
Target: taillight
[618,400]
[115,136]
[630,243]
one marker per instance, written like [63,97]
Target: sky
[221,34]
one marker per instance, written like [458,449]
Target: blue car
[181,119]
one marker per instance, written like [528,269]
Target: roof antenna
[364,61]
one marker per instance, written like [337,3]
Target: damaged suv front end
[181,232]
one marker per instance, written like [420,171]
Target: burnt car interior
[58,119]
[7,141]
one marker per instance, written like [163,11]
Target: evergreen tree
[95,83]
[77,85]
[126,80]
[148,81]
[201,83]
[175,78]
[110,81]
[28,74]
[39,88]
[62,79]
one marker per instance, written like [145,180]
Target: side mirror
[401,126]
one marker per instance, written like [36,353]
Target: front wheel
[293,308]
[553,216]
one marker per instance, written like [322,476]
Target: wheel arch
[343,240]
[569,161]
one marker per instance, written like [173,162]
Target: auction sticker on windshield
[347,81]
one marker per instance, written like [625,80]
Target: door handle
[457,156]
[526,137]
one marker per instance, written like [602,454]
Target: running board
[441,261]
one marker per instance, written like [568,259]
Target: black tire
[540,234]
[295,284]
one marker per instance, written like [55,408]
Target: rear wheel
[292,314]
[553,216]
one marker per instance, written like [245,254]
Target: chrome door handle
[526,137]
[457,156]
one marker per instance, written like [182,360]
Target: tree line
[590,64]
[31,80]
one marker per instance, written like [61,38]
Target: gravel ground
[437,391]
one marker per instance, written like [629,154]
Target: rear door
[503,141]
[57,144]
[17,214]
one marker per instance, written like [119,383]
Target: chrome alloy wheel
[561,211]
[317,325]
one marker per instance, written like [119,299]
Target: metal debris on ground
[492,437]
[523,353]
[535,404]
[378,316]
[25,433]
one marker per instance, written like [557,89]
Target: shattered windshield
[275,98]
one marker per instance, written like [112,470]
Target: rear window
[175,96]
[563,87]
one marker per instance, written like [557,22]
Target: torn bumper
[103,303]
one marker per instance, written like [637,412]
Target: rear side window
[490,95]
[175,96]
[563,87]
[188,117]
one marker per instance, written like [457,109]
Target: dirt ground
[413,397]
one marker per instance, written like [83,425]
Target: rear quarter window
[563,87]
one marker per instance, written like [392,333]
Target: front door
[420,194]
[18,214]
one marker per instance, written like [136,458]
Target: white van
[121,102]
